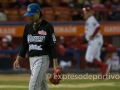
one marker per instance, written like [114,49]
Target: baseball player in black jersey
[39,41]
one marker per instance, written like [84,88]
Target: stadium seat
[5,3]
[22,17]
[12,15]
[55,3]
[62,14]
[48,14]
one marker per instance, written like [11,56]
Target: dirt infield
[15,77]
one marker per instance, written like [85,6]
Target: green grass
[13,82]
[102,88]
[112,84]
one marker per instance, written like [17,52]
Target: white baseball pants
[39,66]
[94,49]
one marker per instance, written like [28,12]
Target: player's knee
[89,58]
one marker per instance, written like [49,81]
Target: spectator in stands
[76,15]
[79,4]
[97,4]
[111,55]
[5,58]
[109,49]
[115,4]
[55,3]
[45,3]
[61,47]
[115,15]
[98,7]
[107,4]
[63,57]
[21,3]
[10,43]
[87,2]
[3,16]
[17,3]
[0,5]
[113,59]
[80,43]
[40,2]
[110,16]
[64,3]
[70,3]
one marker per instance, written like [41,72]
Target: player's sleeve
[24,47]
[52,44]
[97,27]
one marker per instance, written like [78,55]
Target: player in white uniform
[95,41]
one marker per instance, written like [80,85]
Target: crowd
[64,43]
[7,58]
[108,9]
[67,60]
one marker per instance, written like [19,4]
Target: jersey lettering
[34,47]
[34,39]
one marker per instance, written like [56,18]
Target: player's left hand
[56,76]
[55,63]
[56,66]
[16,64]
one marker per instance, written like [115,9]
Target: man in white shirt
[95,41]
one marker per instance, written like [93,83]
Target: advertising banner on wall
[62,30]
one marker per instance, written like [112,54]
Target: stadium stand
[12,15]
[62,11]
[62,14]
[21,14]
[48,13]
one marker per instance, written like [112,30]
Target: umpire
[40,41]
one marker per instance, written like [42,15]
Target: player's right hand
[91,38]
[16,64]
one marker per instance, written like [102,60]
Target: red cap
[5,40]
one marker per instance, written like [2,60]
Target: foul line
[65,85]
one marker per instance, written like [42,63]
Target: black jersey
[38,40]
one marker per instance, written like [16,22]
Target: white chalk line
[65,85]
